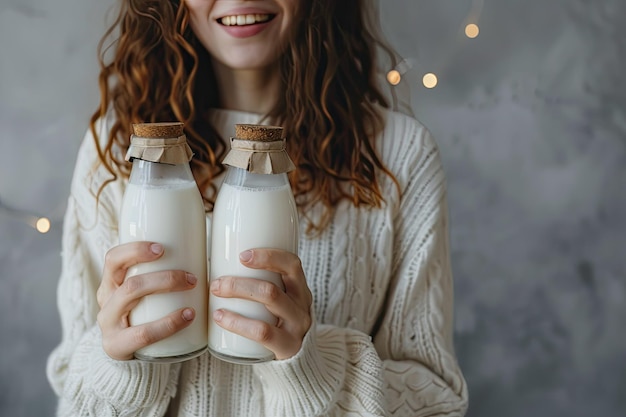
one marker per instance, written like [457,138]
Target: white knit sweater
[385,269]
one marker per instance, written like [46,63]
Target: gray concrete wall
[531,120]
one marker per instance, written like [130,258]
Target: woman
[366,320]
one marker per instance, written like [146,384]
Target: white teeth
[241,20]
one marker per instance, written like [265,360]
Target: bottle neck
[156,173]
[241,178]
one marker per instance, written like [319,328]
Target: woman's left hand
[292,307]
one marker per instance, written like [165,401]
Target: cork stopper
[159,142]
[158,130]
[259,149]
[259,133]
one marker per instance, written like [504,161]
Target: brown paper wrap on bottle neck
[257,151]
[159,142]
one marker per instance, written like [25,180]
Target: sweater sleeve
[336,373]
[414,338]
[410,368]
[86,380]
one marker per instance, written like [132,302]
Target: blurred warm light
[394,77]
[42,225]
[472,30]
[430,80]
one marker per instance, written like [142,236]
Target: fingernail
[191,278]
[245,255]
[156,248]
[188,314]
[215,285]
[217,315]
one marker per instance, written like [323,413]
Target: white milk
[247,218]
[176,219]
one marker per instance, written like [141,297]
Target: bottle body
[163,204]
[251,211]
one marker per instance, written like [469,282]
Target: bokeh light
[42,225]
[430,80]
[472,30]
[394,77]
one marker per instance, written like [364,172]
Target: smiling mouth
[245,19]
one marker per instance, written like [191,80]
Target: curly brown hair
[331,107]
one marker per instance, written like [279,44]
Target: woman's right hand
[117,297]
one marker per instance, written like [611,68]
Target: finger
[285,263]
[265,292]
[122,257]
[278,340]
[117,261]
[123,345]
[136,287]
[294,317]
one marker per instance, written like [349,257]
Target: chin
[248,61]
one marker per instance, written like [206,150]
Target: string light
[394,77]
[430,80]
[41,224]
[472,30]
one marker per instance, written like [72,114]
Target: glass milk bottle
[162,204]
[254,208]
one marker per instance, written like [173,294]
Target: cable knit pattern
[381,341]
